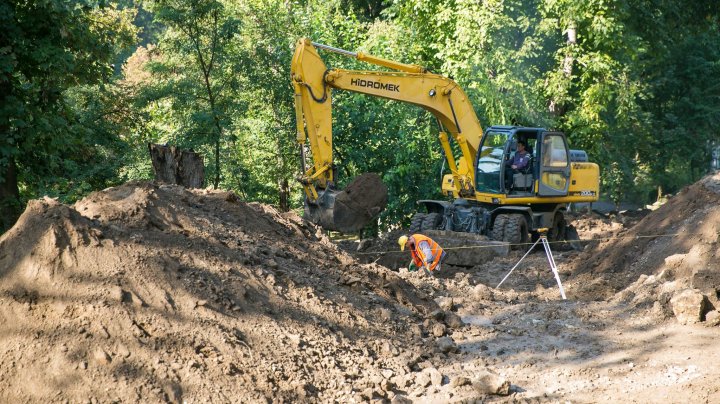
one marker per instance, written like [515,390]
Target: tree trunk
[9,195]
[284,187]
[567,66]
[174,166]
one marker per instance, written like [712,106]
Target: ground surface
[147,293]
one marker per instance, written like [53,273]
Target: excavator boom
[313,81]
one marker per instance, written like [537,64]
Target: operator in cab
[520,161]
[521,158]
[425,252]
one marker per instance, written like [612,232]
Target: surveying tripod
[542,239]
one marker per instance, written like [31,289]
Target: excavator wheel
[557,231]
[432,221]
[498,230]
[511,228]
[416,222]
[516,230]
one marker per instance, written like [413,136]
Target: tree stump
[175,166]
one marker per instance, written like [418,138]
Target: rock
[435,376]
[489,382]
[422,379]
[101,357]
[712,318]
[453,320]
[438,315]
[368,393]
[439,329]
[137,301]
[445,303]
[400,399]
[688,306]
[482,292]
[446,345]
[416,330]
[117,294]
[122,350]
[708,282]
[459,381]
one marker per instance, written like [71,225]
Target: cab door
[554,178]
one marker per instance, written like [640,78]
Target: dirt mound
[157,293]
[675,241]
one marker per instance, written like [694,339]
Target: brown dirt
[359,203]
[146,293]
[350,209]
[153,293]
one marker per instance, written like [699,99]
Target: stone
[438,315]
[453,321]
[416,330]
[439,329]
[435,376]
[400,399]
[122,350]
[482,292]
[712,318]
[489,382]
[445,303]
[688,306]
[446,345]
[422,379]
[707,281]
[459,381]
[101,357]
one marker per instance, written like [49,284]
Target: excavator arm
[313,83]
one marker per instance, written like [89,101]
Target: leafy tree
[195,47]
[49,141]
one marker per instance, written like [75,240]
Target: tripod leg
[518,263]
[553,267]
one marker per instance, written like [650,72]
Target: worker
[518,163]
[425,252]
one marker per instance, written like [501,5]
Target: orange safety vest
[418,256]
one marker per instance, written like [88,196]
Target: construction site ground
[155,293]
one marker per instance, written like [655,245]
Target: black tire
[416,222]
[498,230]
[558,230]
[516,230]
[432,221]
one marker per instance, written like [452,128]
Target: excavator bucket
[351,209]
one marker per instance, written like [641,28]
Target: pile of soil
[158,293]
[673,242]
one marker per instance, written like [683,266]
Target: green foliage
[638,89]
[55,64]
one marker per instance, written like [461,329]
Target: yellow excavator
[485,196]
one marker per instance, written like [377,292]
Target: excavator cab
[546,175]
